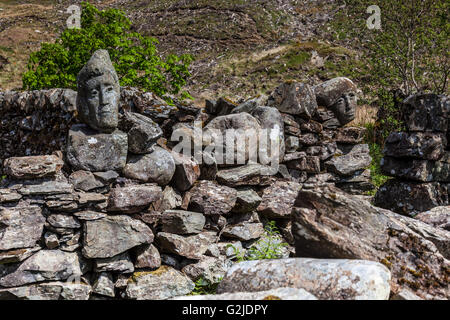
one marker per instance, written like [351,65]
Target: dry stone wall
[88,214]
[419,158]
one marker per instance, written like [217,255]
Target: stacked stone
[418,158]
[127,217]
[318,148]
[37,122]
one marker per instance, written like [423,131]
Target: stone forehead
[328,93]
[99,64]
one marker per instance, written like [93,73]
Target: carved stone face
[345,107]
[99,93]
[102,100]
[339,96]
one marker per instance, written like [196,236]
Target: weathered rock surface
[244,231]
[92,151]
[345,165]
[17,255]
[425,112]
[63,221]
[133,198]
[211,269]
[300,161]
[104,285]
[273,294]
[107,237]
[278,199]
[147,256]
[411,197]
[248,175]
[214,136]
[428,146]
[158,167]
[438,217]
[417,170]
[48,291]
[211,198]
[121,263]
[186,173]
[328,223]
[247,200]
[163,283]
[32,167]
[20,227]
[44,265]
[191,247]
[324,278]
[142,131]
[182,222]
[85,181]
[38,188]
[350,135]
[294,98]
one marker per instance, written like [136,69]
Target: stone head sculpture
[339,96]
[98,93]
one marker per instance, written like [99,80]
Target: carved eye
[109,89]
[94,92]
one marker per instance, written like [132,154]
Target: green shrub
[269,246]
[134,56]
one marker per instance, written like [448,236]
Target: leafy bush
[269,246]
[133,55]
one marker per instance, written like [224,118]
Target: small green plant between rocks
[204,286]
[269,246]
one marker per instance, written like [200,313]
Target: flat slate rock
[20,227]
[163,283]
[32,167]
[110,236]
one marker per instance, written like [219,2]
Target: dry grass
[365,114]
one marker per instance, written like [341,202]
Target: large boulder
[107,237]
[20,227]
[328,223]
[92,151]
[335,279]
